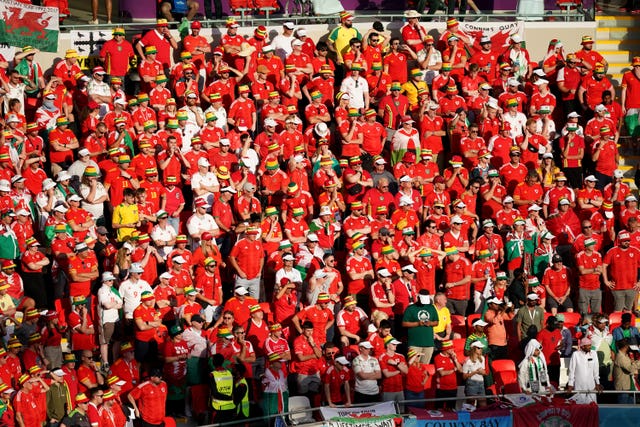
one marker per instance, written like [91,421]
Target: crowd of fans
[371,217]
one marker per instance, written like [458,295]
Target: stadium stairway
[618,40]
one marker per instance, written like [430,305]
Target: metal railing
[263,420]
[387,16]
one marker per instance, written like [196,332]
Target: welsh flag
[27,25]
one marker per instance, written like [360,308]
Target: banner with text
[27,25]
[498,32]
[565,415]
[479,418]
[378,410]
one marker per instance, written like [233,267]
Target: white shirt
[195,341]
[471,366]
[95,209]
[131,293]
[192,116]
[367,366]
[584,374]
[107,296]
[164,234]
[356,88]
[517,123]
[209,179]
[197,224]
[77,168]
[221,115]
[282,45]
[293,275]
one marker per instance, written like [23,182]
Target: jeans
[175,223]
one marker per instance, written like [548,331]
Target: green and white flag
[27,25]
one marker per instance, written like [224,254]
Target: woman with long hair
[123,262]
[473,373]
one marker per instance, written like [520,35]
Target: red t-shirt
[151,400]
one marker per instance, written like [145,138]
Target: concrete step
[619,33]
[617,56]
[605,21]
[605,43]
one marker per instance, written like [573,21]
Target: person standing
[394,369]
[447,367]
[620,272]
[584,373]
[625,371]
[149,400]
[420,318]
[367,372]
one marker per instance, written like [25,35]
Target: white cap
[166,275]
[58,373]
[381,161]
[591,178]
[630,198]
[539,72]
[564,201]
[534,207]
[533,297]
[540,82]
[342,360]
[405,178]
[241,290]
[457,220]
[296,42]
[319,274]
[83,152]
[136,267]
[228,189]
[511,81]
[288,257]
[13,119]
[507,199]
[410,268]
[492,103]
[289,25]
[516,38]
[547,156]
[480,322]
[394,341]
[107,275]
[384,272]
[120,101]
[179,260]
[60,208]
[477,344]
[312,237]
[23,212]
[600,108]
[573,115]
[325,210]
[203,162]
[424,299]
[618,173]
[225,141]
[301,32]
[485,39]
[63,175]
[461,204]
[74,198]
[406,201]
[495,300]
[365,344]
[270,122]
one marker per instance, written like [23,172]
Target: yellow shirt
[411,90]
[340,37]
[124,214]
[444,319]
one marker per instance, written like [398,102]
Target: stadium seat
[458,347]
[505,376]
[302,408]
[470,319]
[571,320]
[615,320]
[458,325]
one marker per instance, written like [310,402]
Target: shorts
[474,388]
[308,383]
[106,333]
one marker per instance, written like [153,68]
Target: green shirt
[420,336]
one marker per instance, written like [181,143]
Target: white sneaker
[94,22]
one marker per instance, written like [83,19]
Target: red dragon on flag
[24,24]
